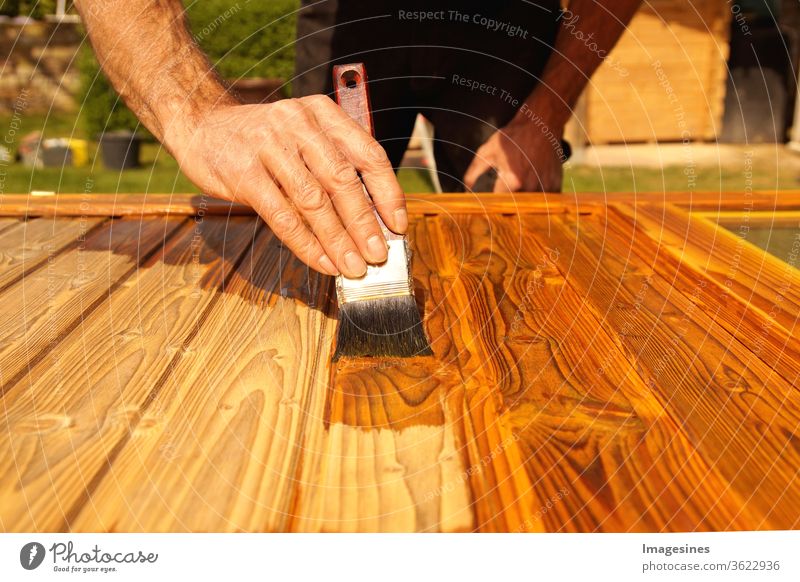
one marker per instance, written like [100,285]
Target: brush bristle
[389,327]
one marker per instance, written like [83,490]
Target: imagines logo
[31,555]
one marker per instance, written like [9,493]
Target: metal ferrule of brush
[389,279]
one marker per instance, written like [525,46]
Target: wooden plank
[737,412]
[65,205]
[644,475]
[27,245]
[8,223]
[763,282]
[49,303]
[63,426]
[625,119]
[193,204]
[735,218]
[218,445]
[386,458]
[504,498]
[596,442]
[116,205]
[757,309]
[762,201]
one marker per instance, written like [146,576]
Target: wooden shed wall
[665,80]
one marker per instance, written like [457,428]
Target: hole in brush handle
[350,79]
[352,93]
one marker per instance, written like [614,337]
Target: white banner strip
[401,557]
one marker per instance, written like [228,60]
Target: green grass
[160,172]
[673,178]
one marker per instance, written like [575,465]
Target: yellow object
[80,152]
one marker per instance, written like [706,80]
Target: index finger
[371,161]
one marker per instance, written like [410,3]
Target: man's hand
[297,163]
[525,158]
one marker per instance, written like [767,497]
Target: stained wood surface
[601,364]
[105,205]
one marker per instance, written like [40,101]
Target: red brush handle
[350,86]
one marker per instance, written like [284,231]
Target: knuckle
[286,108]
[364,221]
[336,238]
[375,155]
[316,100]
[343,176]
[336,158]
[260,133]
[359,218]
[354,226]
[310,197]
[285,222]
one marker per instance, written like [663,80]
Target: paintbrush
[378,313]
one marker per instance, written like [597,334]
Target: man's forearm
[153,62]
[588,31]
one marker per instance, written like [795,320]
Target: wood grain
[631,460]
[389,438]
[180,204]
[757,219]
[752,294]
[759,280]
[106,205]
[739,414]
[66,421]
[503,497]
[9,223]
[597,367]
[49,303]
[580,412]
[219,442]
[27,245]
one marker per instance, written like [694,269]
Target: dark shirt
[466,66]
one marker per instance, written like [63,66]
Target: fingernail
[355,264]
[328,265]
[376,245]
[401,220]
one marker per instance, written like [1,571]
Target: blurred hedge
[242,39]
[33,8]
[101,108]
[245,38]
